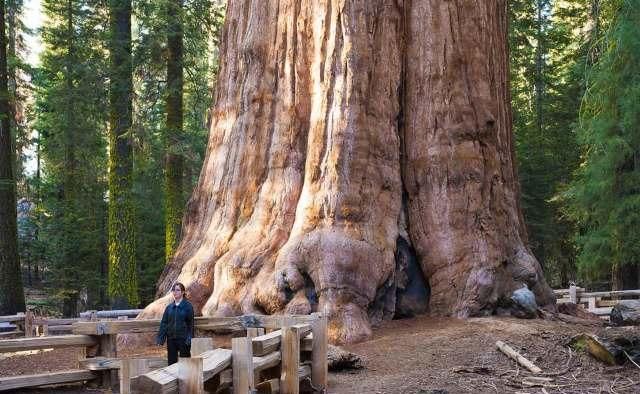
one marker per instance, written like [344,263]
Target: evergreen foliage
[546,86]
[11,291]
[97,197]
[71,110]
[605,196]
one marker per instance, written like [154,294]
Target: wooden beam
[165,380]
[214,362]
[19,344]
[28,324]
[245,321]
[108,348]
[201,323]
[319,365]
[306,343]
[116,327]
[129,368]
[103,363]
[266,362]
[617,293]
[24,381]
[111,314]
[201,345]
[66,329]
[160,381]
[290,348]
[11,333]
[265,344]
[11,318]
[55,322]
[269,387]
[242,360]
[190,375]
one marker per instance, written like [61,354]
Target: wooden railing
[599,302]
[18,320]
[29,325]
[278,354]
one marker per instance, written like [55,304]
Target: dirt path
[421,356]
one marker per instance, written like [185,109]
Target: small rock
[524,304]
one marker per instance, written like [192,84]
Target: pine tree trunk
[11,291]
[123,284]
[174,162]
[341,129]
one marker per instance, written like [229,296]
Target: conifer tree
[11,292]
[123,279]
[70,119]
[605,195]
[174,162]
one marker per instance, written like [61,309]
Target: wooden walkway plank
[165,380]
[24,381]
[267,343]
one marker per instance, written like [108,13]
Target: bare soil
[428,355]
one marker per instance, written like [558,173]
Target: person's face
[177,293]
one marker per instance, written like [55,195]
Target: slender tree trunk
[123,282]
[69,185]
[11,291]
[174,162]
[343,129]
[38,199]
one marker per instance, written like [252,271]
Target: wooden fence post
[253,332]
[201,345]
[28,324]
[319,364]
[107,348]
[573,293]
[190,379]
[290,359]
[242,365]
[20,324]
[129,368]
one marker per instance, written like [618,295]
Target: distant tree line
[575,90]
[109,132]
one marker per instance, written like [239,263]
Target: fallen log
[506,349]
[613,348]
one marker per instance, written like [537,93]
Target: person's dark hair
[184,292]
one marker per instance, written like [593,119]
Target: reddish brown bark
[339,127]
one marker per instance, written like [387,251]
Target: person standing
[176,326]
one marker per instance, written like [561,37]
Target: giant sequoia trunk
[350,137]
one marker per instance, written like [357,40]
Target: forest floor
[435,356]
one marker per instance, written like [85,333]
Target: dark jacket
[177,322]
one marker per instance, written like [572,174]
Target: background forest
[110,132]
